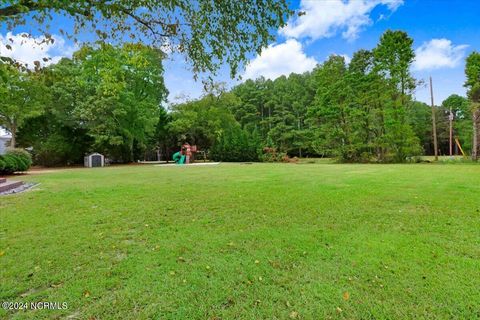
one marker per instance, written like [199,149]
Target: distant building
[4,143]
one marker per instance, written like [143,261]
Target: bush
[15,160]
[25,159]
[60,150]
[235,145]
[272,155]
[8,164]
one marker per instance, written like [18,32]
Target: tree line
[363,111]
[112,100]
[106,99]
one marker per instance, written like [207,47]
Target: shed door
[96,161]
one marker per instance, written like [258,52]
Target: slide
[178,158]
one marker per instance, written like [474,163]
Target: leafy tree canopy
[472,71]
[23,95]
[207,32]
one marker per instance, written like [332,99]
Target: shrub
[272,155]
[9,164]
[58,150]
[235,145]
[2,164]
[24,157]
[15,160]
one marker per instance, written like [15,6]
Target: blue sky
[444,33]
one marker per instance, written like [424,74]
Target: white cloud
[280,59]
[27,49]
[438,53]
[324,19]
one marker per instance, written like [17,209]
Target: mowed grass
[259,241]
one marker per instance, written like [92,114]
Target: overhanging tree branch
[19,8]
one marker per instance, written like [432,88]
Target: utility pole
[434,123]
[450,119]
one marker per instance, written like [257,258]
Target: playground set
[186,155]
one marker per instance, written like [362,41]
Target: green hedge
[15,160]
[236,145]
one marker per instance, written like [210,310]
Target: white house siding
[3,144]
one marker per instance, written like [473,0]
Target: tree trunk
[476,134]
[13,131]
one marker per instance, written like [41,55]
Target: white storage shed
[94,160]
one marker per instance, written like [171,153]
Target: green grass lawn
[260,241]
